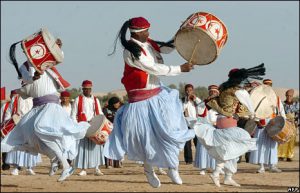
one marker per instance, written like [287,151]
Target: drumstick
[190,61]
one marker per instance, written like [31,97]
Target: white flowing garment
[48,123]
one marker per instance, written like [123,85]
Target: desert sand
[130,178]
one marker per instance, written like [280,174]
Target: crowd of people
[151,128]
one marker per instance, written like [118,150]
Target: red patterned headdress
[138,24]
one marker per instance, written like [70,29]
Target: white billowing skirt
[153,131]
[45,123]
[223,144]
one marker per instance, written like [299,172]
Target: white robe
[48,123]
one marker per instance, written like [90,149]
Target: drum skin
[99,130]
[280,130]
[206,28]
[264,108]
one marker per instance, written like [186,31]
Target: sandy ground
[130,178]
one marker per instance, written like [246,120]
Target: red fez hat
[267,81]
[232,71]
[87,84]
[13,92]
[65,94]
[138,24]
[187,86]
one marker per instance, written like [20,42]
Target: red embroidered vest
[134,78]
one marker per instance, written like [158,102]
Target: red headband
[138,24]
[213,87]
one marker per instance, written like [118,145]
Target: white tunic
[24,105]
[151,64]
[45,85]
[193,108]
[88,107]
[68,108]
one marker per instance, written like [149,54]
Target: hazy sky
[258,32]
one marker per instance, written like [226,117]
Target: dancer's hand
[186,67]
[36,76]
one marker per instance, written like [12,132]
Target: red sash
[65,83]
[139,95]
[80,114]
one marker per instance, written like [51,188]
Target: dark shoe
[188,163]
[5,166]
[280,159]
[289,160]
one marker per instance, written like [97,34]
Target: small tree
[125,98]
[104,99]
[74,92]
[173,86]
[181,89]
[201,92]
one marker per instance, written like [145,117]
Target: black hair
[168,44]
[131,46]
[12,57]
[240,75]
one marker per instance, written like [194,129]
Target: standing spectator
[109,111]
[266,153]
[65,102]
[85,107]
[291,108]
[190,102]
[4,109]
